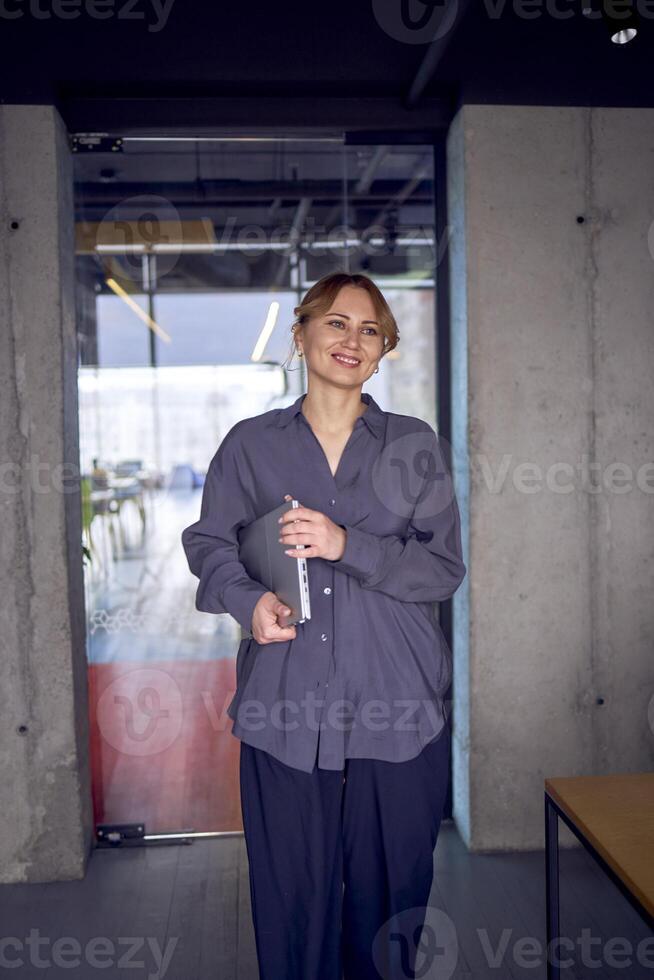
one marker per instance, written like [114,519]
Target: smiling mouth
[346,361]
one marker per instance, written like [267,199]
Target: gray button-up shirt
[366,675]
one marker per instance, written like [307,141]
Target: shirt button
[323,636]
[332,502]
[327,591]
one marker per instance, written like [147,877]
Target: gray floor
[140,598]
[191,903]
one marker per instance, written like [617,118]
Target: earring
[376,371]
[299,352]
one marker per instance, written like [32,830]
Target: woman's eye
[339,323]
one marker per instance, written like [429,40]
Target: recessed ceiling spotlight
[622,26]
[624,36]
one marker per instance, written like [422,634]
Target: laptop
[262,555]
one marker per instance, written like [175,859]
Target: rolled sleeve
[426,564]
[211,543]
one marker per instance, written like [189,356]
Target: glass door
[191,255]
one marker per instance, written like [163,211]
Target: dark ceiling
[120,64]
[369,75]
[380,79]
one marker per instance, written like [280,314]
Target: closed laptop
[263,557]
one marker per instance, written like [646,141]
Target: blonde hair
[322,294]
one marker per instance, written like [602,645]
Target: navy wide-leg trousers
[335,855]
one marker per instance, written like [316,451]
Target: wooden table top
[616,814]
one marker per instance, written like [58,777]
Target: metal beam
[273,116]
[454,11]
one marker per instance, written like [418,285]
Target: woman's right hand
[265,628]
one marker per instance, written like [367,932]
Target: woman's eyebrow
[346,317]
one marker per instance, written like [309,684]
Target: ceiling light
[622,26]
[622,37]
[141,314]
[266,331]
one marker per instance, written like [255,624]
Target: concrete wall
[45,790]
[553,351]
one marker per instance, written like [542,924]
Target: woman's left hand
[319,535]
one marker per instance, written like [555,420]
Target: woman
[344,740]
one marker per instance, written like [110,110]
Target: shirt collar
[373,415]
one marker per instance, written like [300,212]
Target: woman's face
[350,327]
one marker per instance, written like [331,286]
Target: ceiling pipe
[454,10]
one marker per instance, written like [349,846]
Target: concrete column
[45,791]
[552,296]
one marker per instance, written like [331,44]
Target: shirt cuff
[362,553]
[240,600]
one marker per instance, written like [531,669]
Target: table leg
[552,888]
